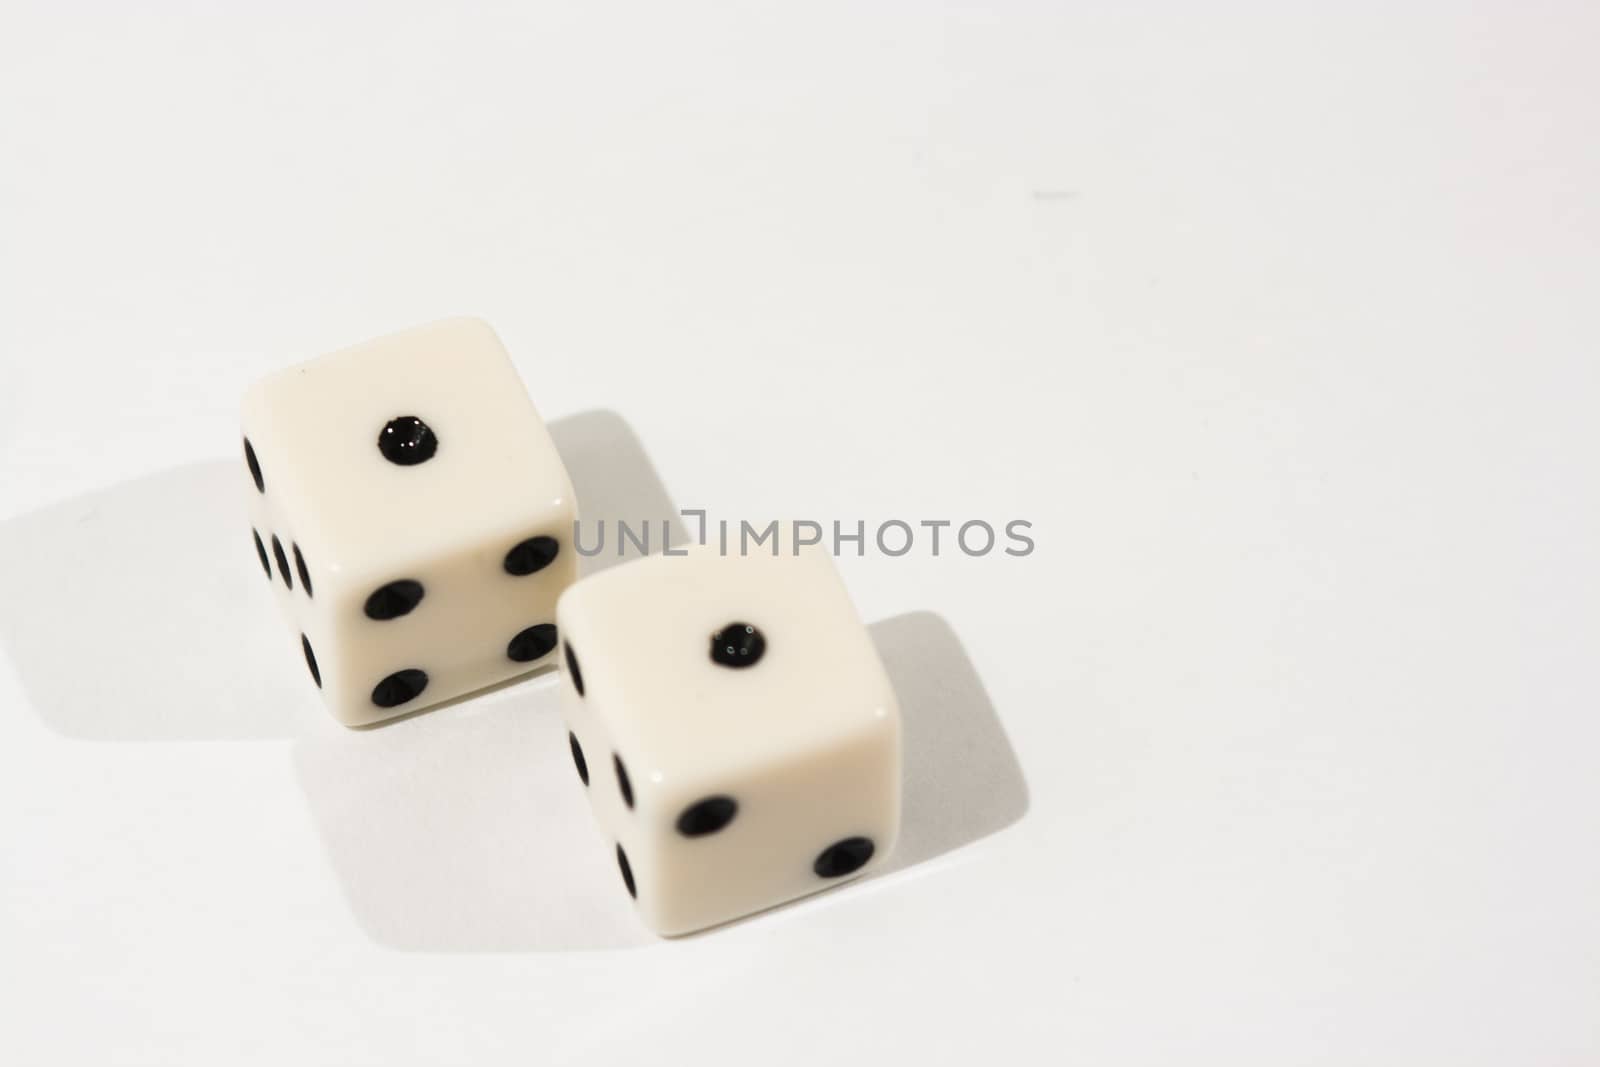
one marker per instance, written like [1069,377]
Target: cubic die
[735,729]
[416,513]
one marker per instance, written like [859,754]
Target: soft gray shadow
[614,482]
[962,779]
[467,830]
[139,613]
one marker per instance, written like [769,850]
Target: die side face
[423,512]
[741,776]
[474,624]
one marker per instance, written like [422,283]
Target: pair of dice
[728,714]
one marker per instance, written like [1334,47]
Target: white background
[1279,323]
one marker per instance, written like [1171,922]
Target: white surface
[1279,326]
[495,480]
[806,739]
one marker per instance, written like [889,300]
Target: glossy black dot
[407,441]
[255,467]
[300,566]
[400,687]
[843,857]
[627,872]
[707,816]
[534,554]
[532,643]
[283,562]
[573,671]
[394,600]
[261,552]
[737,644]
[577,757]
[311,660]
[624,786]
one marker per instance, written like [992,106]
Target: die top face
[398,450]
[652,639]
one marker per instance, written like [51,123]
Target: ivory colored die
[416,515]
[734,727]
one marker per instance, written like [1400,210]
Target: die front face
[736,731]
[413,513]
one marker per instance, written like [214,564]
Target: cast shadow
[138,612]
[468,831]
[614,482]
[962,781]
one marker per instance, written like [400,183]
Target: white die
[729,789]
[417,516]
